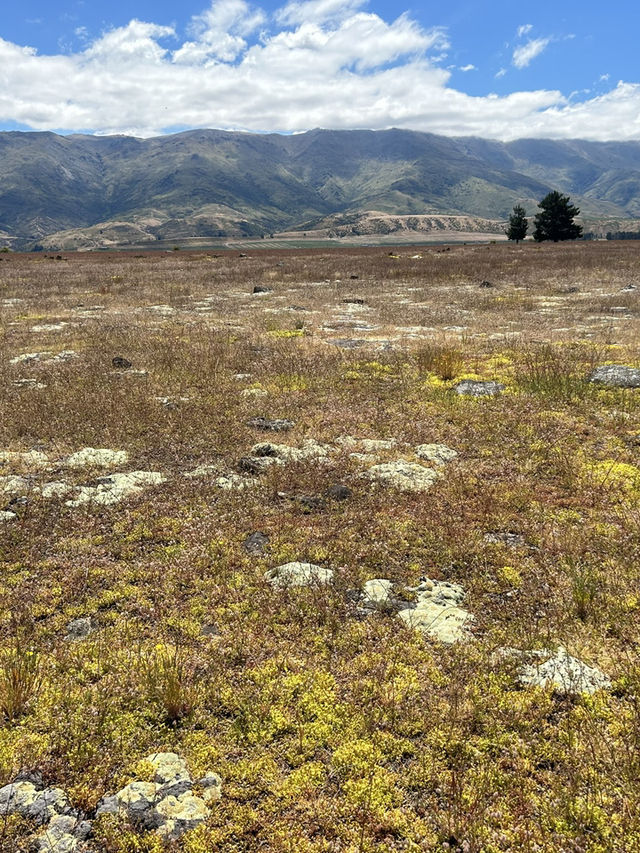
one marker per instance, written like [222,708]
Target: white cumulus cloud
[315,63]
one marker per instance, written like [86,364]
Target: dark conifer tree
[555,221]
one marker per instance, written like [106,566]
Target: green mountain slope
[214,183]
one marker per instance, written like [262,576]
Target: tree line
[554,222]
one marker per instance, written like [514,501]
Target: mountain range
[108,190]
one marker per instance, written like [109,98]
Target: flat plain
[159,411]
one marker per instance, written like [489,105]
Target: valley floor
[206,458]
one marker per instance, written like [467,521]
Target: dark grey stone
[255,543]
[121,363]
[338,492]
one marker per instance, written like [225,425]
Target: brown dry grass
[331,733]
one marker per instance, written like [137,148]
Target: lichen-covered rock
[504,537]
[116,487]
[13,485]
[231,481]
[55,489]
[29,459]
[298,574]
[404,476]
[378,594]
[62,835]
[212,787]
[97,457]
[270,453]
[437,612]
[138,797]
[616,376]
[180,814]
[30,357]
[439,454]
[78,629]
[25,799]
[367,445]
[559,671]
[170,773]
[7,515]
[478,388]
[167,804]
[446,623]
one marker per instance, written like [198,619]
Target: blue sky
[498,70]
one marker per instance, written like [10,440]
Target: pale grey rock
[166,805]
[49,327]
[13,485]
[478,388]
[283,453]
[404,476]
[210,780]
[378,594]
[367,445]
[30,357]
[559,671]
[17,797]
[439,454]
[59,836]
[7,515]
[55,489]
[29,383]
[231,481]
[437,612]
[78,629]
[446,623]
[32,459]
[254,392]
[298,574]
[116,487]
[508,538]
[136,798]
[616,376]
[92,457]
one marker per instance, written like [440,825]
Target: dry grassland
[332,730]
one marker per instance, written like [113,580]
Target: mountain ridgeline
[210,183]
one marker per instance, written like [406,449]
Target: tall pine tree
[518,225]
[555,221]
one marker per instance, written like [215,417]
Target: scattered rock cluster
[168,804]
[433,607]
[171,804]
[63,829]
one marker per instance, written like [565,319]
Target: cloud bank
[315,63]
